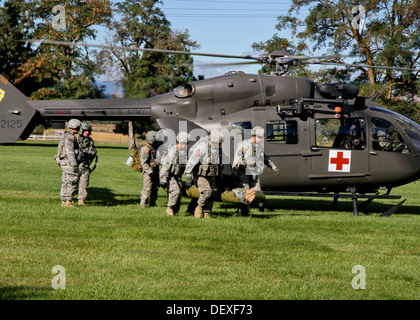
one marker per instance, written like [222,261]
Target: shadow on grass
[284,206]
[377,206]
[24,293]
[105,197]
[272,207]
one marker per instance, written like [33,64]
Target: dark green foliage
[389,38]
[144,74]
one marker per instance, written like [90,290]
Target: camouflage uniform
[171,176]
[193,175]
[208,160]
[248,164]
[88,153]
[67,155]
[150,166]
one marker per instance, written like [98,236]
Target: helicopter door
[283,146]
[338,148]
[390,156]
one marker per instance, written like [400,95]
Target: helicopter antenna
[377,94]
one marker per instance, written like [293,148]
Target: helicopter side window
[343,133]
[385,137]
[282,132]
[184,91]
[239,128]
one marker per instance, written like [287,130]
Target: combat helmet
[257,131]
[151,137]
[85,127]
[74,124]
[183,137]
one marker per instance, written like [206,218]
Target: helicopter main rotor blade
[279,57]
[239,63]
[68,43]
[360,65]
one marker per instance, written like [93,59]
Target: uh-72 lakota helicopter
[326,139]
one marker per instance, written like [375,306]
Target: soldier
[149,162]
[248,164]
[67,154]
[87,155]
[173,166]
[207,157]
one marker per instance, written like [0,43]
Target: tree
[390,36]
[381,33]
[64,71]
[142,24]
[15,23]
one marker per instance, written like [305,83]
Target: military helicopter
[327,140]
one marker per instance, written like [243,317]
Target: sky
[222,27]
[226,27]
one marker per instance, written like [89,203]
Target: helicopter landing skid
[354,196]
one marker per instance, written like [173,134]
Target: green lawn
[112,249]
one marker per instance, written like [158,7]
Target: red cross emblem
[339,161]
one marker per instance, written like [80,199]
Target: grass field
[112,249]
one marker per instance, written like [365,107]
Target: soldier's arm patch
[197,154]
[146,151]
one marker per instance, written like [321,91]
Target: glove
[163,185]
[188,182]
[277,171]
[75,169]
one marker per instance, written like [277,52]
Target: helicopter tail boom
[19,115]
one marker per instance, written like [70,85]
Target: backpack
[136,160]
[60,152]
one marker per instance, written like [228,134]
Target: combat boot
[152,204]
[245,210]
[69,204]
[169,211]
[206,215]
[198,211]
[81,202]
[63,203]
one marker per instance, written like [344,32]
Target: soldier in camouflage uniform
[149,162]
[207,156]
[67,155]
[248,164]
[173,166]
[87,155]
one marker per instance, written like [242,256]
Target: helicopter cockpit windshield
[184,91]
[411,128]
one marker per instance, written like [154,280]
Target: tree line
[371,32]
